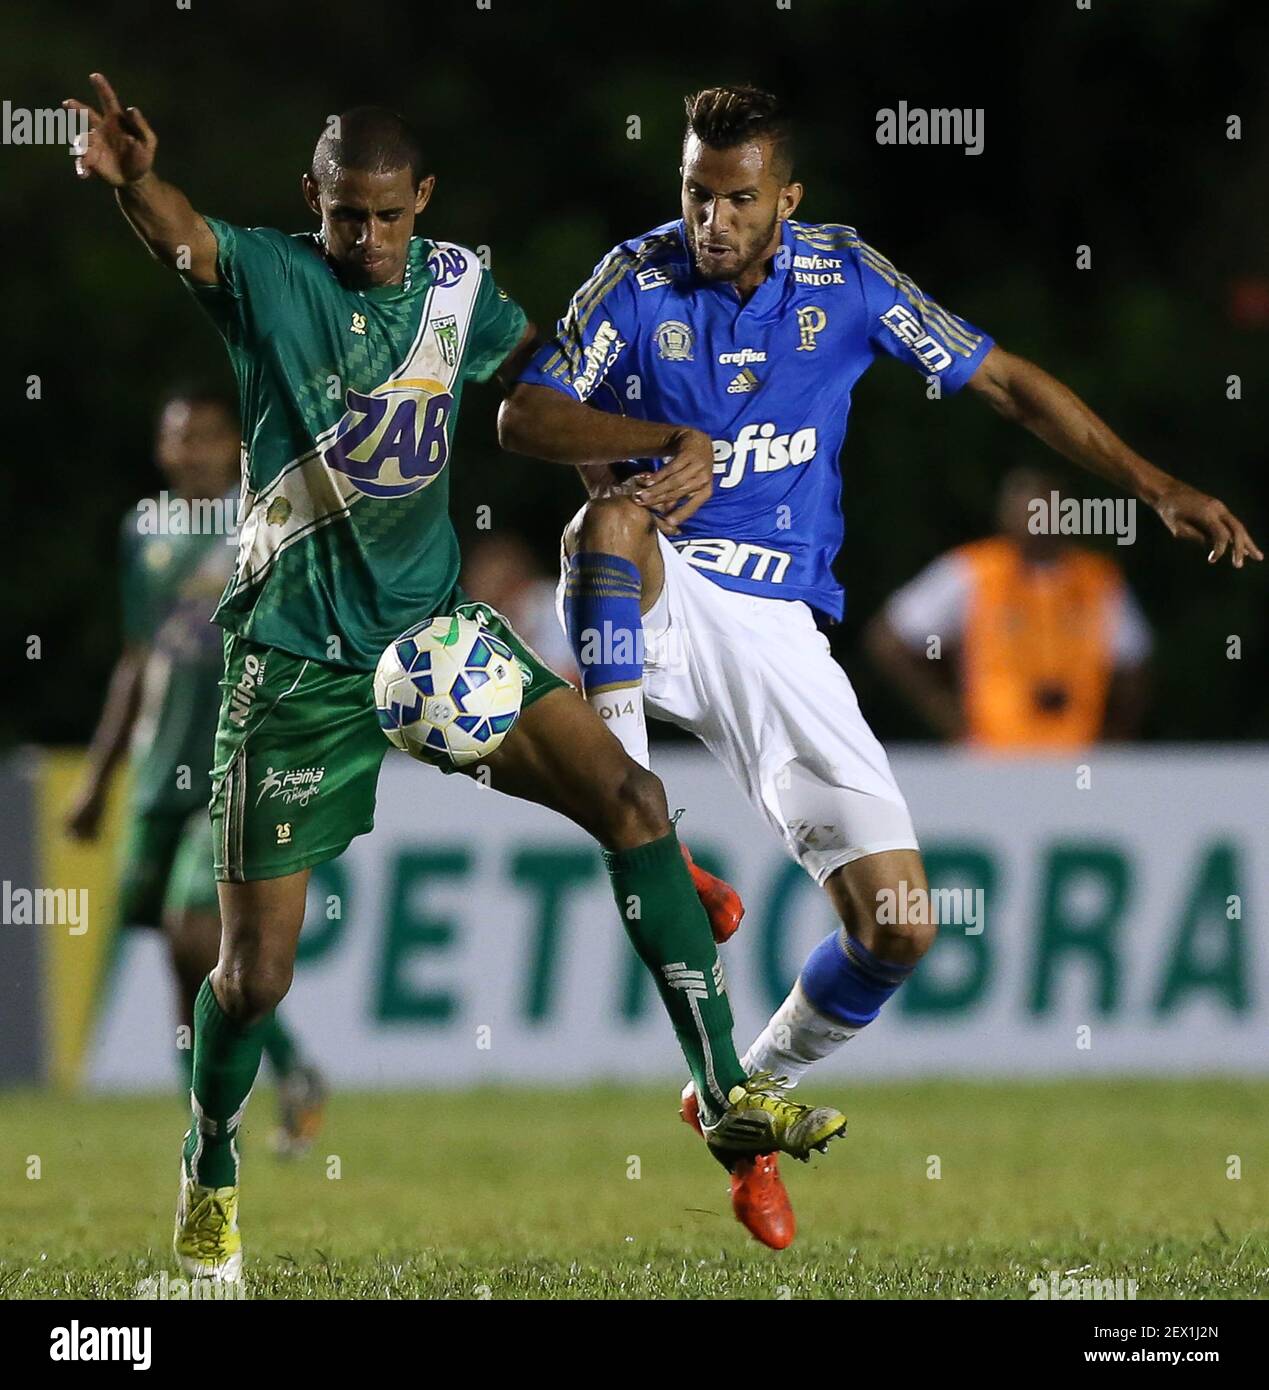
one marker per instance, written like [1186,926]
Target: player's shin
[841,989]
[605,630]
[226,1060]
[671,934]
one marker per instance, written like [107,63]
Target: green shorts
[298,749]
[167,868]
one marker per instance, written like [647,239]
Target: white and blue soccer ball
[448,691]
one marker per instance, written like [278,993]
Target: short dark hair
[725,117]
[369,138]
[197,391]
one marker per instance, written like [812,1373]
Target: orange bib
[1037,658]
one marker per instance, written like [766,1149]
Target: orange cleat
[759,1198]
[719,899]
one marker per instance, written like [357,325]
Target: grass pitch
[601,1193]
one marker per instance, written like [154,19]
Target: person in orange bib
[1022,641]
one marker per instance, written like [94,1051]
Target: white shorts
[753,678]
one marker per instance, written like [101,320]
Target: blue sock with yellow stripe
[605,630]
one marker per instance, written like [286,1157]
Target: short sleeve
[907,324]
[594,337]
[1131,639]
[498,324]
[253,265]
[932,604]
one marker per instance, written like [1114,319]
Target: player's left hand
[1194,516]
[686,481]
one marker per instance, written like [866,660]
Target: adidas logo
[742,381]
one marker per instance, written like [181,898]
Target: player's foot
[206,1240]
[759,1199]
[301,1105]
[760,1119]
[719,899]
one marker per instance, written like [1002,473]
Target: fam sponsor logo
[44,125]
[44,907]
[243,695]
[740,559]
[1056,515]
[905,326]
[818,270]
[293,786]
[75,1342]
[1054,1286]
[768,451]
[393,441]
[169,515]
[921,125]
[601,352]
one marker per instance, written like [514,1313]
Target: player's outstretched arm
[1025,393]
[546,424]
[119,150]
[109,743]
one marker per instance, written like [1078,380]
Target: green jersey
[349,400]
[171,581]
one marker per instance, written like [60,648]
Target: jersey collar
[767,296]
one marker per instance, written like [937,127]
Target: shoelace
[768,1084]
[208,1220]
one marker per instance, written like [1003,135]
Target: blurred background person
[502,571]
[1021,641]
[177,553]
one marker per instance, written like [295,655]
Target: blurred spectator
[502,572]
[1040,644]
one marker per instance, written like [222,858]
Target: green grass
[525,1194]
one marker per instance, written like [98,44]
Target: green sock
[670,931]
[226,1059]
[279,1046]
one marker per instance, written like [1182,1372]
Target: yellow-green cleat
[206,1241]
[761,1119]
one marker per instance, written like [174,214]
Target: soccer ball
[448,692]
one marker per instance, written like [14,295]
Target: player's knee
[904,943]
[249,993]
[637,811]
[613,526]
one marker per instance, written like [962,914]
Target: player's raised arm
[1025,393]
[119,150]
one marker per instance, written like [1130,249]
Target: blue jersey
[769,381]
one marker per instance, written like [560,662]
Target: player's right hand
[119,147]
[83,820]
[682,485]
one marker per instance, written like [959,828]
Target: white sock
[621,709]
[797,1035]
